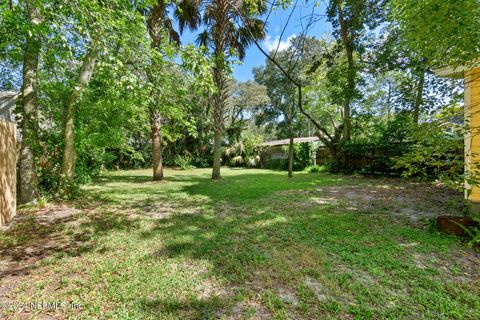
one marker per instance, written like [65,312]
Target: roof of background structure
[287,141]
[457,71]
[7,104]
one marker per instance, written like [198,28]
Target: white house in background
[276,150]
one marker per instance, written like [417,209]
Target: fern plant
[473,233]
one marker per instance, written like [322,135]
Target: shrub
[431,150]
[253,161]
[184,162]
[244,152]
[316,168]
[437,153]
[302,154]
[375,153]
[473,234]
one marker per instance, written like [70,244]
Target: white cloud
[272,44]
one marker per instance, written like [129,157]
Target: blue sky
[275,24]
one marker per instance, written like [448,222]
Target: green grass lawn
[255,245]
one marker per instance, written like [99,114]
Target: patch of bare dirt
[34,235]
[287,296]
[164,210]
[413,201]
[250,310]
[316,287]
[208,289]
[459,266]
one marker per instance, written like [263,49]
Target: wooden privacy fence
[8,157]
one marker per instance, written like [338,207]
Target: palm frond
[172,33]
[230,151]
[203,38]
[188,14]
[238,160]
[256,27]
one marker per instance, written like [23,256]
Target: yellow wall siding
[472,138]
[8,177]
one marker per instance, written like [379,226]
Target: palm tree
[229,28]
[160,25]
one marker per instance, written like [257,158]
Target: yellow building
[471,75]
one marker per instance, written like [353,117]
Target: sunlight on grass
[251,245]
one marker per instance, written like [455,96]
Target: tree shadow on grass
[262,253]
[56,231]
[200,238]
[245,230]
[140,177]
[102,180]
[192,308]
[260,249]
[28,240]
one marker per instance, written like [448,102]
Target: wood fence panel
[8,175]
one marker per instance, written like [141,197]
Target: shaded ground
[255,245]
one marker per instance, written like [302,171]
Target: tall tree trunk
[69,151]
[347,43]
[156,132]
[217,153]
[419,97]
[155,31]
[28,190]
[389,100]
[220,79]
[218,114]
[290,144]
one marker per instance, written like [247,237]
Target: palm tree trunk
[217,154]
[389,100]
[157,155]
[28,189]
[69,150]
[218,113]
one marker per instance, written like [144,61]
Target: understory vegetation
[109,85]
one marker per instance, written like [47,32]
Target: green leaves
[198,65]
[447,31]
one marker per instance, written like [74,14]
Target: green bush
[301,158]
[316,168]
[473,234]
[202,161]
[245,152]
[431,150]
[375,154]
[183,161]
[437,153]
